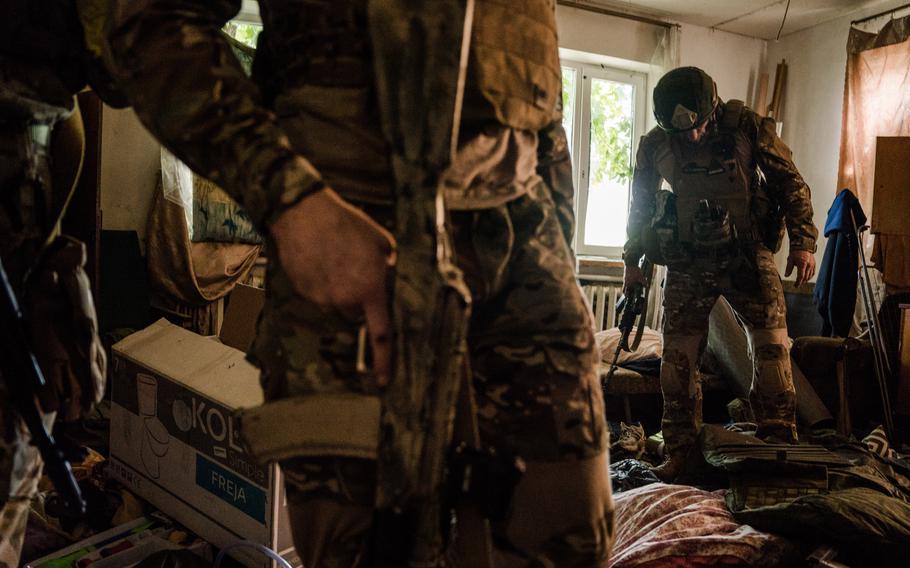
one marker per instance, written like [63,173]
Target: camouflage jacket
[189,91]
[770,155]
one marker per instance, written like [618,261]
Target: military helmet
[684,99]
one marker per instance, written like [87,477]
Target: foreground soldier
[310,155]
[732,180]
[44,61]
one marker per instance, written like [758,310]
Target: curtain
[876,103]
[664,58]
[191,278]
[666,54]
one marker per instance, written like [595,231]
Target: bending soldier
[302,147]
[734,186]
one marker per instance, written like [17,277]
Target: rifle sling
[641,321]
[648,270]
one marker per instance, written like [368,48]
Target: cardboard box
[241,317]
[174,441]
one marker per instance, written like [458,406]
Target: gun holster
[485,477]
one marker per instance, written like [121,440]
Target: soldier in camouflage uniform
[46,56]
[305,155]
[732,180]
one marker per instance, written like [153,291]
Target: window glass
[568,102]
[244,32]
[602,115]
[610,163]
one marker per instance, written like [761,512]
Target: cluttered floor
[164,478]
[839,498]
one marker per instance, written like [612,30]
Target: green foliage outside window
[568,97]
[611,126]
[611,131]
[243,32]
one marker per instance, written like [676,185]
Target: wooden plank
[902,404]
[891,193]
[761,99]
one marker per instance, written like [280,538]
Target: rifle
[420,59]
[631,307]
[24,379]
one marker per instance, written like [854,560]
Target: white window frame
[581,131]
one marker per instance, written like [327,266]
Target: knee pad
[773,377]
[771,354]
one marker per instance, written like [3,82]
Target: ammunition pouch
[660,239]
[650,243]
[343,425]
[768,217]
[714,237]
[485,478]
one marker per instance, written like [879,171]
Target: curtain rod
[880,14]
[615,13]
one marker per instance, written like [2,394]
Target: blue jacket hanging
[835,288]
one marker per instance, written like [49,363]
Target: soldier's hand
[631,277]
[804,262]
[336,256]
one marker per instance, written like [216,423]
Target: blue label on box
[231,488]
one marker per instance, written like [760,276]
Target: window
[603,114]
[245,32]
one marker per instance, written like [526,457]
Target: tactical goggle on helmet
[684,99]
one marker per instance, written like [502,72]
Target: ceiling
[754,18]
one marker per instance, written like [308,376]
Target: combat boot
[670,469]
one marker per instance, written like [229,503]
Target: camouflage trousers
[21,465]
[753,288]
[532,355]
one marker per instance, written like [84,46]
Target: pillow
[651,347]
[217,217]
[661,525]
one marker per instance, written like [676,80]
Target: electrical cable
[260,547]
[786,11]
